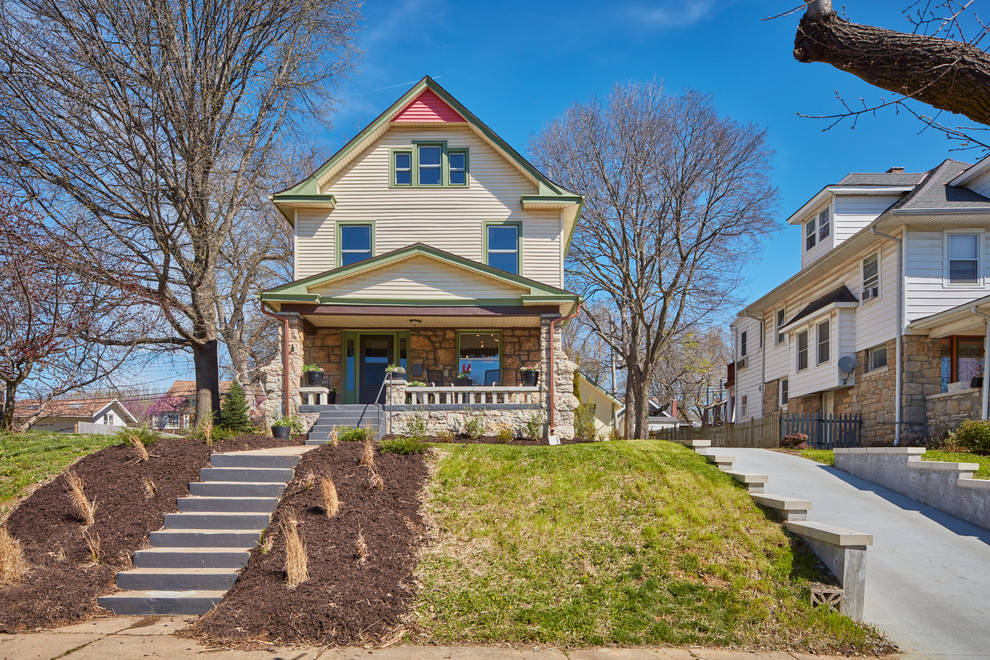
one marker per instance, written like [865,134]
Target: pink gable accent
[427,107]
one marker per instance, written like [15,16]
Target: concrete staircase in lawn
[368,416]
[195,558]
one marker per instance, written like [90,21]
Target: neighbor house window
[876,358]
[781,320]
[745,404]
[742,345]
[457,168]
[871,277]
[355,243]
[824,225]
[502,247]
[822,337]
[809,234]
[963,263]
[802,350]
[783,393]
[480,354]
[402,168]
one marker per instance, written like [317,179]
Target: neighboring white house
[658,419]
[62,416]
[879,320]
[606,406]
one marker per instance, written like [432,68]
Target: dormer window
[430,164]
[810,235]
[824,224]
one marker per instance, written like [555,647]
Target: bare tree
[48,311]
[941,63]
[691,368]
[151,124]
[675,196]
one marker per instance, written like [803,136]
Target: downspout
[763,360]
[898,373]
[986,352]
[551,393]
[285,357]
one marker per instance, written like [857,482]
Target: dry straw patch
[331,502]
[12,564]
[139,447]
[375,480]
[334,439]
[150,489]
[368,453]
[309,480]
[93,545]
[362,548]
[296,563]
[84,509]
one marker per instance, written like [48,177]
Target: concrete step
[177,579]
[236,488]
[205,538]
[327,425]
[253,460]
[245,474]
[160,603]
[217,521]
[227,504]
[191,558]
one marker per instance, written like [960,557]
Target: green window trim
[350,378]
[519,242]
[414,167]
[338,260]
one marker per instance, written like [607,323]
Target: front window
[968,359]
[802,350]
[457,168]
[355,243]
[822,335]
[402,166]
[430,164]
[809,235]
[964,260]
[480,355]
[871,277]
[781,320]
[503,248]
[824,225]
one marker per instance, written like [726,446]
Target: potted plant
[530,376]
[332,396]
[314,375]
[284,426]
[395,370]
[463,379]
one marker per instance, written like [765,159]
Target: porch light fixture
[414,322]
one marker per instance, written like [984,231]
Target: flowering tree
[165,404]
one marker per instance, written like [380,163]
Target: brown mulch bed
[345,601]
[63,583]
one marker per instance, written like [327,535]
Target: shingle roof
[936,193]
[842,294]
[187,388]
[882,179]
[64,407]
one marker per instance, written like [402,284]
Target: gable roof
[882,179]
[424,92]
[839,295]
[81,408]
[530,291]
[937,192]
[187,388]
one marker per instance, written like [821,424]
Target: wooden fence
[823,431]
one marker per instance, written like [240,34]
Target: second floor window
[822,335]
[810,237]
[403,168]
[355,243]
[963,258]
[781,320]
[871,277]
[742,345]
[802,350]
[824,225]
[457,168]
[503,247]
[430,164]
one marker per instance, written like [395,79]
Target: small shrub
[474,427]
[368,452]
[331,502]
[296,563]
[416,426]
[362,548]
[349,434]
[533,427]
[85,510]
[139,448]
[446,436]
[206,431]
[150,489]
[503,435]
[375,480]
[415,383]
[974,436]
[794,441]
[12,564]
[584,421]
[411,445]
[93,545]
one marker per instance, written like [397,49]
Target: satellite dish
[847,364]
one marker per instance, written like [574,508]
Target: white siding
[748,380]
[981,184]
[817,377]
[422,278]
[926,287]
[854,212]
[876,320]
[809,257]
[777,365]
[450,219]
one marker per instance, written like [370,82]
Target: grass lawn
[827,456]
[27,458]
[619,543]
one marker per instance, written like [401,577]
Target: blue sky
[517,65]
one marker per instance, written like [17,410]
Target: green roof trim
[309,186]
[298,291]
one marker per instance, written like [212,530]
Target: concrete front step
[201,504]
[162,603]
[177,579]
[236,488]
[253,461]
[245,474]
[191,558]
[217,521]
[205,538]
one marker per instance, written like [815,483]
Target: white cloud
[677,13]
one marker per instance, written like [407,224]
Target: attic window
[810,236]
[429,164]
[824,224]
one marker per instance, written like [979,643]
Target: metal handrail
[388,404]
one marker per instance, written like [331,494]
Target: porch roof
[964,319]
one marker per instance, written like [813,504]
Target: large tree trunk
[207,362]
[7,422]
[948,75]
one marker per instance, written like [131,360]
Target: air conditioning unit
[741,364]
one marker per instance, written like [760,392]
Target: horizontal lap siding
[854,212]
[925,276]
[314,243]
[876,320]
[450,219]
[748,380]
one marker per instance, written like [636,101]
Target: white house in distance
[62,416]
[887,317]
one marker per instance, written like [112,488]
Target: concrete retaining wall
[948,487]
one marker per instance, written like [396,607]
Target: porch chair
[435,377]
[492,377]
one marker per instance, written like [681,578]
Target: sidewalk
[152,637]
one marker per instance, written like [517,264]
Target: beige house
[65,415]
[880,319]
[430,244]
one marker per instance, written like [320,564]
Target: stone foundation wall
[805,404]
[771,397]
[947,411]
[873,397]
[325,348]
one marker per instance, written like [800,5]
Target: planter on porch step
[529,378]
[314,378]
[463,382]
[282,432]
[332,397]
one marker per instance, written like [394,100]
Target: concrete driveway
[927,573]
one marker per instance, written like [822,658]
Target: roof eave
[835,190]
